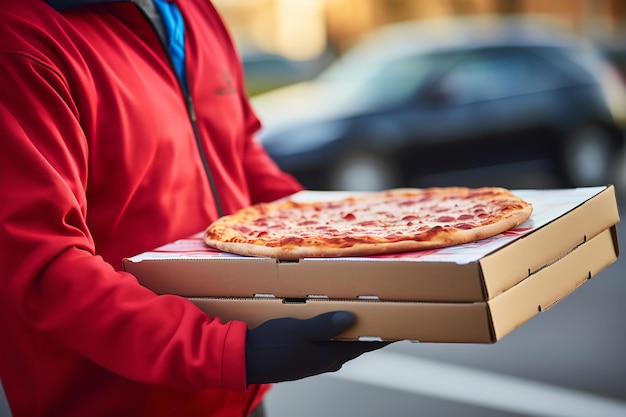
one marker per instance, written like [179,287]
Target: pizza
[373,223]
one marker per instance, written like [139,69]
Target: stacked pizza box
[471,293]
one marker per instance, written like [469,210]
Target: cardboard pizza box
[562,221]
[444,322]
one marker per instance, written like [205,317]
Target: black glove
[287,349]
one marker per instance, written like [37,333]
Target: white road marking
[477,387]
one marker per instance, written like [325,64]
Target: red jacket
[99,161]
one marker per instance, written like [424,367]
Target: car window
[488,75]
[578,65]
[385,80]
[397,80]
[383,76]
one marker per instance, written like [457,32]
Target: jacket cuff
[234,357]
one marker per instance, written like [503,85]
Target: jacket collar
[68,4]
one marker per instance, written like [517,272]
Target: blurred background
[369,94]
[373,94]
[305,29]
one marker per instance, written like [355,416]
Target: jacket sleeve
[266,181]
[50,275]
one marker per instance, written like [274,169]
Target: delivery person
[124,126]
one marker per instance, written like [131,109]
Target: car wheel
[588,157]
[364,171]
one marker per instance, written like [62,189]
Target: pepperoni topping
[445,219]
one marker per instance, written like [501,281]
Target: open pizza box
[471,293]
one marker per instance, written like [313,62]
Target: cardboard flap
[570,230]
[194,277]
[552,283]
[395,280]
[423,322]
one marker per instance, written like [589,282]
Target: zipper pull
[191,108]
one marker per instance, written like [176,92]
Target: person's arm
[266,181]
[52,279]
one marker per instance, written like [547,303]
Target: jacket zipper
[191,112]
[205,163]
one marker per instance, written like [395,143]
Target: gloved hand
[287,349]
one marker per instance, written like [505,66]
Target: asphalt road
[568,361]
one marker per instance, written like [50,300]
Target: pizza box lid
[445,322]
[562,220]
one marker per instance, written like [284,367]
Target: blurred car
[421,98]
[616,54]
[266,71]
